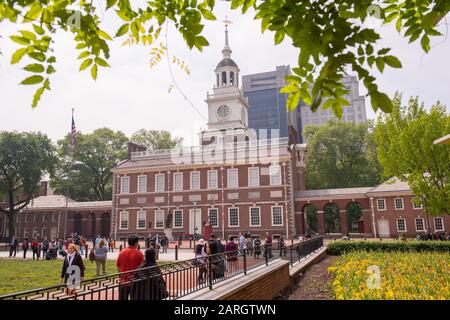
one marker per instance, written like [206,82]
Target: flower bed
[341,247]
[403,276]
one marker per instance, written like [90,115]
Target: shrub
[337,248]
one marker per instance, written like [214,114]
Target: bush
[337,248]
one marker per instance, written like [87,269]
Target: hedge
[336,248]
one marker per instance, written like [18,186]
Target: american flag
[73,135]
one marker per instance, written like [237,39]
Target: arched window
[231,77]
[354,212]
[217,79]
[224,78]
[332,218]
[237,79]
[312,223]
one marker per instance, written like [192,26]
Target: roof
[226,62]
[59,201]
[332,193]
[391,185]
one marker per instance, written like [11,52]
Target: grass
[20,275]
[403,276]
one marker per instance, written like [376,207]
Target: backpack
[92,255]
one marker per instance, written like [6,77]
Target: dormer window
[231,77]
[224,78]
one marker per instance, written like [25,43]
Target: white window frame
[26,233]
[217,217]
[159,212]
[121,220]
[139,183]
[175,175]
[44,234]
[35,233]
[122,189]
[282,221]
[36,217]
[378,205]
[404,223]
[233,171]
[271,169]
[158,175]
[442,223]
[229,219]
[414,205]
[250,216]
[250,184]
[209,179]
[44,215]
[395,204]
[423,224]
[138,220]
[175,212]
[55,214]
[199,180]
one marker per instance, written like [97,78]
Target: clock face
[223,111]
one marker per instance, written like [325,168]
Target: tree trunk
[11,215]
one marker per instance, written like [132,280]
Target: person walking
[201,261]
[82,245]
[241,243]
[256,248]
[221,267]
[45,248]
[232,254]
[268,246]
[25,246]
[129,259]
[35,248]
[212,252]
[100,253]
[13,246]
[149,283]
[72,260]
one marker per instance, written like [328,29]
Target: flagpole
[71,151]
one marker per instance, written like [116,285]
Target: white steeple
[226,50]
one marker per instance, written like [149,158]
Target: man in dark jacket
[13,246]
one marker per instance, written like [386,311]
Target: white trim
[139,183]
[442,222]
[404,222]
[234,226]
[395,204]
[378,206]
[177,174]
[158,212]
[250,169]
[199,179]
[182,218]
[122,191]
[217,217]
[414,205]
[217,179]
[228,178]
[120,220]
[250,216]
[137,219]
[423,224]
[271,175]
[271,218]
[163,182]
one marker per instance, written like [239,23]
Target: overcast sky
[131,95]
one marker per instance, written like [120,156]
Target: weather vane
[226,21]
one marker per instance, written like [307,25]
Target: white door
[195,220]
[383,228]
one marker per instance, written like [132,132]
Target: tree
[24,158]
[155,139]
[86,173]
[340,155]
[329,36]
[406,150]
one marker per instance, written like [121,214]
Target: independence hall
[232,182]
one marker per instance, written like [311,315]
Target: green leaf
[425,42]
[123,29]
[38,29]
[37,96]
[208,15]
[104,35]
[125,16]
[28,34]
[94,72]
[33,80]
[34,13]
[337,110]
[39,56]
[384,102]
[17,56]
[292,101]
[289,88]
[20,40]
[101,62]
[83,55]
[135,29]
[398,25]
[52,59]
[392,61]
[279,36]
[86,63]
[384,51]
[201,41]
[50,69]
[35,67]
[380,64]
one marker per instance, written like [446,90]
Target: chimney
[44,189]
[134,147]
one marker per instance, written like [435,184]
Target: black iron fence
[175,280]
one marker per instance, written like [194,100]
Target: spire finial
[226,50]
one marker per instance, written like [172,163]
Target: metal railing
[175,280]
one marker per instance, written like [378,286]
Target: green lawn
[20,275]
